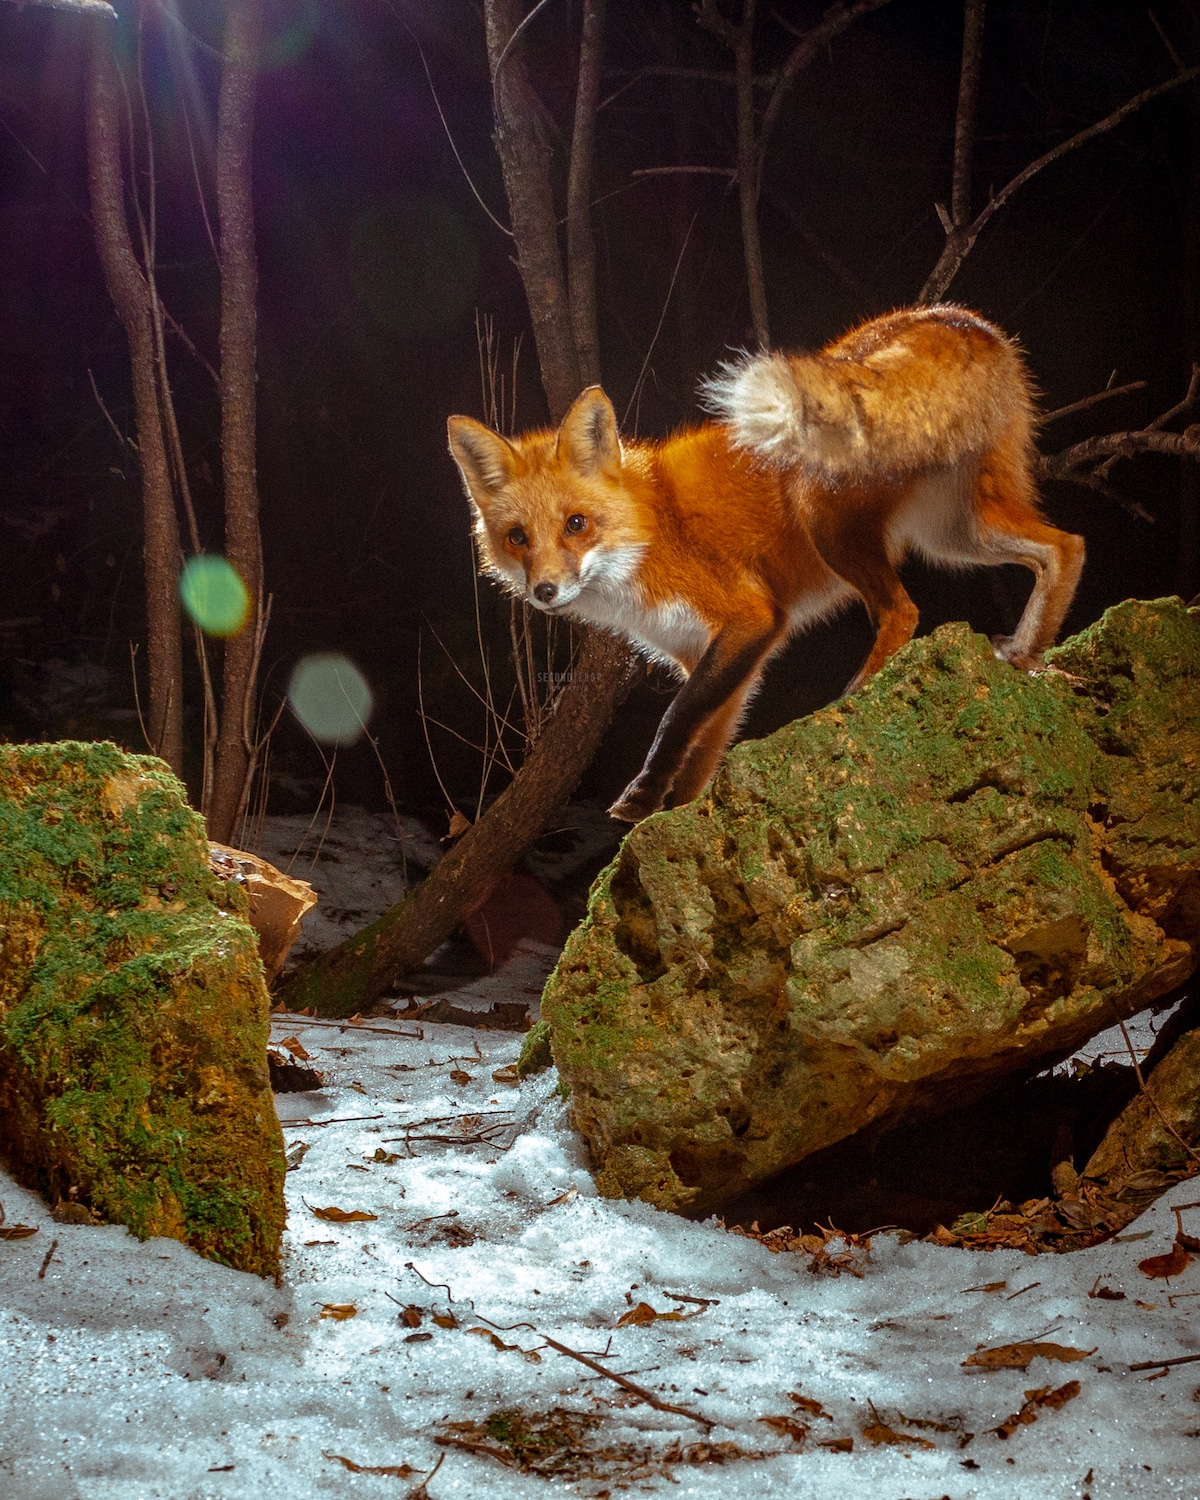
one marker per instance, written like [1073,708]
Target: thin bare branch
[728,172]
[122,440]
[1122,445]
[517,31]
[1089,401]
[503,228]
[700,75]
[836,20]
[960,241]
[635,1390]
[661,318]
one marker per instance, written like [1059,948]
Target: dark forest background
[376,263]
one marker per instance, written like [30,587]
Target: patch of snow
[355,861]
[140,1370]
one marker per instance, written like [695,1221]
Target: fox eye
[517,537]
[576,524]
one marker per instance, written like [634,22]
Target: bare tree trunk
[968,113]
[239,288]
[581,246]
[361,970]
[747,173]
[131,298]
[525,163]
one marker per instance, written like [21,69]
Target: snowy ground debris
[444,1237]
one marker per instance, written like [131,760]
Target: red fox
[911,433]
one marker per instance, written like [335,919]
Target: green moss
[943,877]
[133,1014]
[535,1051]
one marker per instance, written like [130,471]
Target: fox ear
[588,437]
[484,457]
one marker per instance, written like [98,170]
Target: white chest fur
[670,632]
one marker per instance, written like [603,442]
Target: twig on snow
[635,1390]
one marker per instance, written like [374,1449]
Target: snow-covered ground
[135,1370]
[141,1370]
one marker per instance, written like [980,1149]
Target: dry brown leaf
[787,1427]
[808,1404]
[445,1320]
[644,1313]
[411,1316]
[1019,1356]
[838,1445]
[460,1076]
[17,1231]
[497,1342]
[1044,1396]
[343,1215]
[397,1471]
[506,1075]
[339,1310]
[1173,1263]
[881,1434]
[296,1047]
[386,1158]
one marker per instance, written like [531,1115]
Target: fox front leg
[733,659]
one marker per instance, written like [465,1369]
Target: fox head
[553,513]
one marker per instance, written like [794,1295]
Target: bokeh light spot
[331,698]
[214,595]
[414,264]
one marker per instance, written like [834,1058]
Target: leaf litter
[857,1318]
[565,1444]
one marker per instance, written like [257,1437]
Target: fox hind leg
[1010,529]
[858,553]
[1055,559]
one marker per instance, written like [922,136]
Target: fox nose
[544,592]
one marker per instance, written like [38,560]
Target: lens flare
[214,595]
[331,698]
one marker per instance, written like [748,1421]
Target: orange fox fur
[911,433]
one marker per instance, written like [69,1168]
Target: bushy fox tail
[789,411]
[921,388]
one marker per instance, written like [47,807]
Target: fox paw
[1003,647]
[634,804]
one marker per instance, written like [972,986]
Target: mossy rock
[887,908]
[133,1013]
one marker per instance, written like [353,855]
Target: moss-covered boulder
[889,907]
[133,1014]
